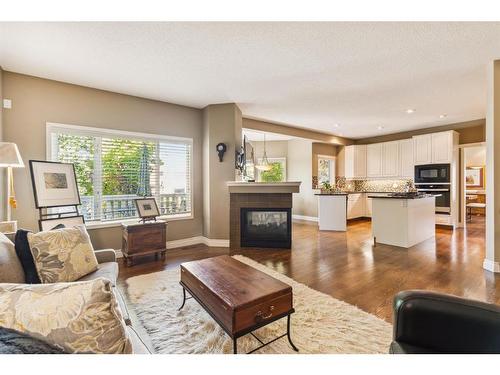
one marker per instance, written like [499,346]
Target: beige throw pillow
[80,317]
[63,254]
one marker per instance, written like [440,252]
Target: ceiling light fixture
[380,127]
[264,164]
[410,111]
[336,125]
[443,115]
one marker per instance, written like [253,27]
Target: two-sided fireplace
[266,227]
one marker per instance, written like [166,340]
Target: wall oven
[432,174]
[442,193]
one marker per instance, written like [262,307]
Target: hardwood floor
[348,267]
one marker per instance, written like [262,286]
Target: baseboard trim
[185,242]
[210,242]
[214,242]
[491,266]
[306,218]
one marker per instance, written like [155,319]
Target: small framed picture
[68,222]
[474,177]
[54,184]
[147,208]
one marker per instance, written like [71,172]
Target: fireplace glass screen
[266,227]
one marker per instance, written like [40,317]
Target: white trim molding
[306,218]
[210,242]
[491,266]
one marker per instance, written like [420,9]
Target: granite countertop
[357,192]
[340,193]
[409,196]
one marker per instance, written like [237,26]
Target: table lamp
[10,158]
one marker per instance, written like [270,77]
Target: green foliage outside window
[275,174]
[120,161]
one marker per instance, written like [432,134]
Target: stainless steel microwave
[432,173]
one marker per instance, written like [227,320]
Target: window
[114,167]
[277,173]
[326,169]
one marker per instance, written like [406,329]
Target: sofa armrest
[445,323]
[106,255]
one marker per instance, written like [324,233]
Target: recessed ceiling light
[443,115]
[336,125]
[410,111]
[380,127]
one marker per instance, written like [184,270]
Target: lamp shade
[9,155]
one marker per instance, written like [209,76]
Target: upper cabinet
[353,161]
[435,148]
[442,147]
[390,159]
[382,159]
[422,146]
[406,165]
[374,160]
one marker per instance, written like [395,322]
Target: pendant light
[264,165]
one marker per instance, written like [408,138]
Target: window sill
[118,223]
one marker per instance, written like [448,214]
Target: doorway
[473,197]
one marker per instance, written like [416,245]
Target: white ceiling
[312,75]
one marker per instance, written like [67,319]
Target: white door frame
[462,202]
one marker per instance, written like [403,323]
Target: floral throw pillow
[80,317]
[63,254]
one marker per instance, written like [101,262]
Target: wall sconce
[221,149]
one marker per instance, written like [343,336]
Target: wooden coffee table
[240,298]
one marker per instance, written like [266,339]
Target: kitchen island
[403,220]
[332,211]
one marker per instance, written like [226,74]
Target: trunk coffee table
[240,298]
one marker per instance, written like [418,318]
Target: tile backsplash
[372,185]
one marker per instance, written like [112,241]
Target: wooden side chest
[143,239]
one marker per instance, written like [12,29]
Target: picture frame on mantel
[54,184]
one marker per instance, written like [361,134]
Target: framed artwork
[147,208]
[54,184]
[474,177]
[48,224]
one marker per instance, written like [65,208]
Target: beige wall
[221,123]
[492,260]
[299,169]
[36,101]
[470,132]
[3,189]
[298,132]
[475,156]
[274,149]
[321,149]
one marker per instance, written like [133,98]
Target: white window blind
[113,168]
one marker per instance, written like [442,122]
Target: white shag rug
[320,324]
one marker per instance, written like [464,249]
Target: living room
[337,198]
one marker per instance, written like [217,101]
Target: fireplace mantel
[263,187]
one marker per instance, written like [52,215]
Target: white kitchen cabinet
[355,205]
[368,202]
[352,161]
[390,159]
[442,147]
[434,148]
[374,160]
[422,149]
[406,165]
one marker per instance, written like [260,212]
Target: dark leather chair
[427,322]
